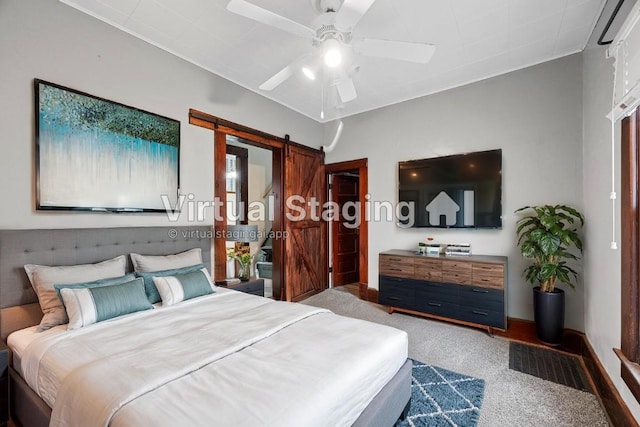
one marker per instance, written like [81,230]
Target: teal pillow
[150,287]
[96,283]
[180,287]
[86,306]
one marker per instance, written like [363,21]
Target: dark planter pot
[548,310]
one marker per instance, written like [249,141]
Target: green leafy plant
[546,234]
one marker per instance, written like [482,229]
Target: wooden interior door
[305,271]
[344,235]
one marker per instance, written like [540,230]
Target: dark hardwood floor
[353,288]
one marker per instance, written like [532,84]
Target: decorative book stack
[429,248]
[458,249]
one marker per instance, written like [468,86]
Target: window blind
[626,51]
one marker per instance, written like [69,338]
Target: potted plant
[547,235]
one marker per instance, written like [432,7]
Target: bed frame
[19,306]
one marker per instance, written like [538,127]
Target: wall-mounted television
[460,191]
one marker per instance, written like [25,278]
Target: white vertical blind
[626,51]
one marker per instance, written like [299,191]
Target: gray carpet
[511,398]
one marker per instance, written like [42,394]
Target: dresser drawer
[483,304]
[444,291]
[428,263]
[487,270]
[396,260]
[437,306]
[494,282]
[397,270]
[477,293]
[396,293]
[459,278]
[481,316]
[456,272]
[396,266]
[427,274]
[488,275]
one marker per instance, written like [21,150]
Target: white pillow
[180,287]
[150,263]
[43,278]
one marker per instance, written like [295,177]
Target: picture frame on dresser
[97,155]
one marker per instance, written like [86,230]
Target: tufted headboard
[80,246]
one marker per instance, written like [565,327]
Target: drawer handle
[394,269]
[433,304]
[480,291]
[394,298]
[481,313]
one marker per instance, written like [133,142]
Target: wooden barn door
[305,264]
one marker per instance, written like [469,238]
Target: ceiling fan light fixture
[309,73]
[332,53]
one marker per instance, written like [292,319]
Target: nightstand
[253,286]
[4,384]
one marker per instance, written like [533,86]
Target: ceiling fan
[332,38]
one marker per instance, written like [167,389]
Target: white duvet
[228,359]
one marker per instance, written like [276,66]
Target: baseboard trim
[616,409]
[576,343]
[372,295]
[363,291]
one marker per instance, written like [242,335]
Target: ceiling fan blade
[277,78]
[346,89]
[285,73]
[264,16]
[404,51]
[350,13]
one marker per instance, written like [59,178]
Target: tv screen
[461,191]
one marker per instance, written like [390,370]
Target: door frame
[221,128]
[360,165]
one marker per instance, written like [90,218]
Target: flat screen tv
[460,191]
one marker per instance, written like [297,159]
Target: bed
[226,358]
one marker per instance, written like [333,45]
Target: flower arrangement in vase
[244,258]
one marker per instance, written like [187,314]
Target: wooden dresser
[470,290]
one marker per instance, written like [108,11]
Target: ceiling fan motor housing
[324,6]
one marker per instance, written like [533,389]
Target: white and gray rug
[511,398]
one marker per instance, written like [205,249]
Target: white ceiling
[475,39]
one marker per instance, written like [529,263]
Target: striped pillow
[86,306]
[150,288]
[96,283]
[174,289]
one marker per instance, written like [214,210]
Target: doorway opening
[348,232]
[250,202]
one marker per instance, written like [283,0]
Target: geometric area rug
[443,398]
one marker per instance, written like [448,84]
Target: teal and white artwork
[94,154]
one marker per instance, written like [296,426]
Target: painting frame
[97,155]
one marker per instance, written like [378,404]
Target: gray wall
[48,40]
[534,115]
[601,264]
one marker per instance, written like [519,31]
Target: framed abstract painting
[93,154]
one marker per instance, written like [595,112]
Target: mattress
[18,342]
[230,357]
